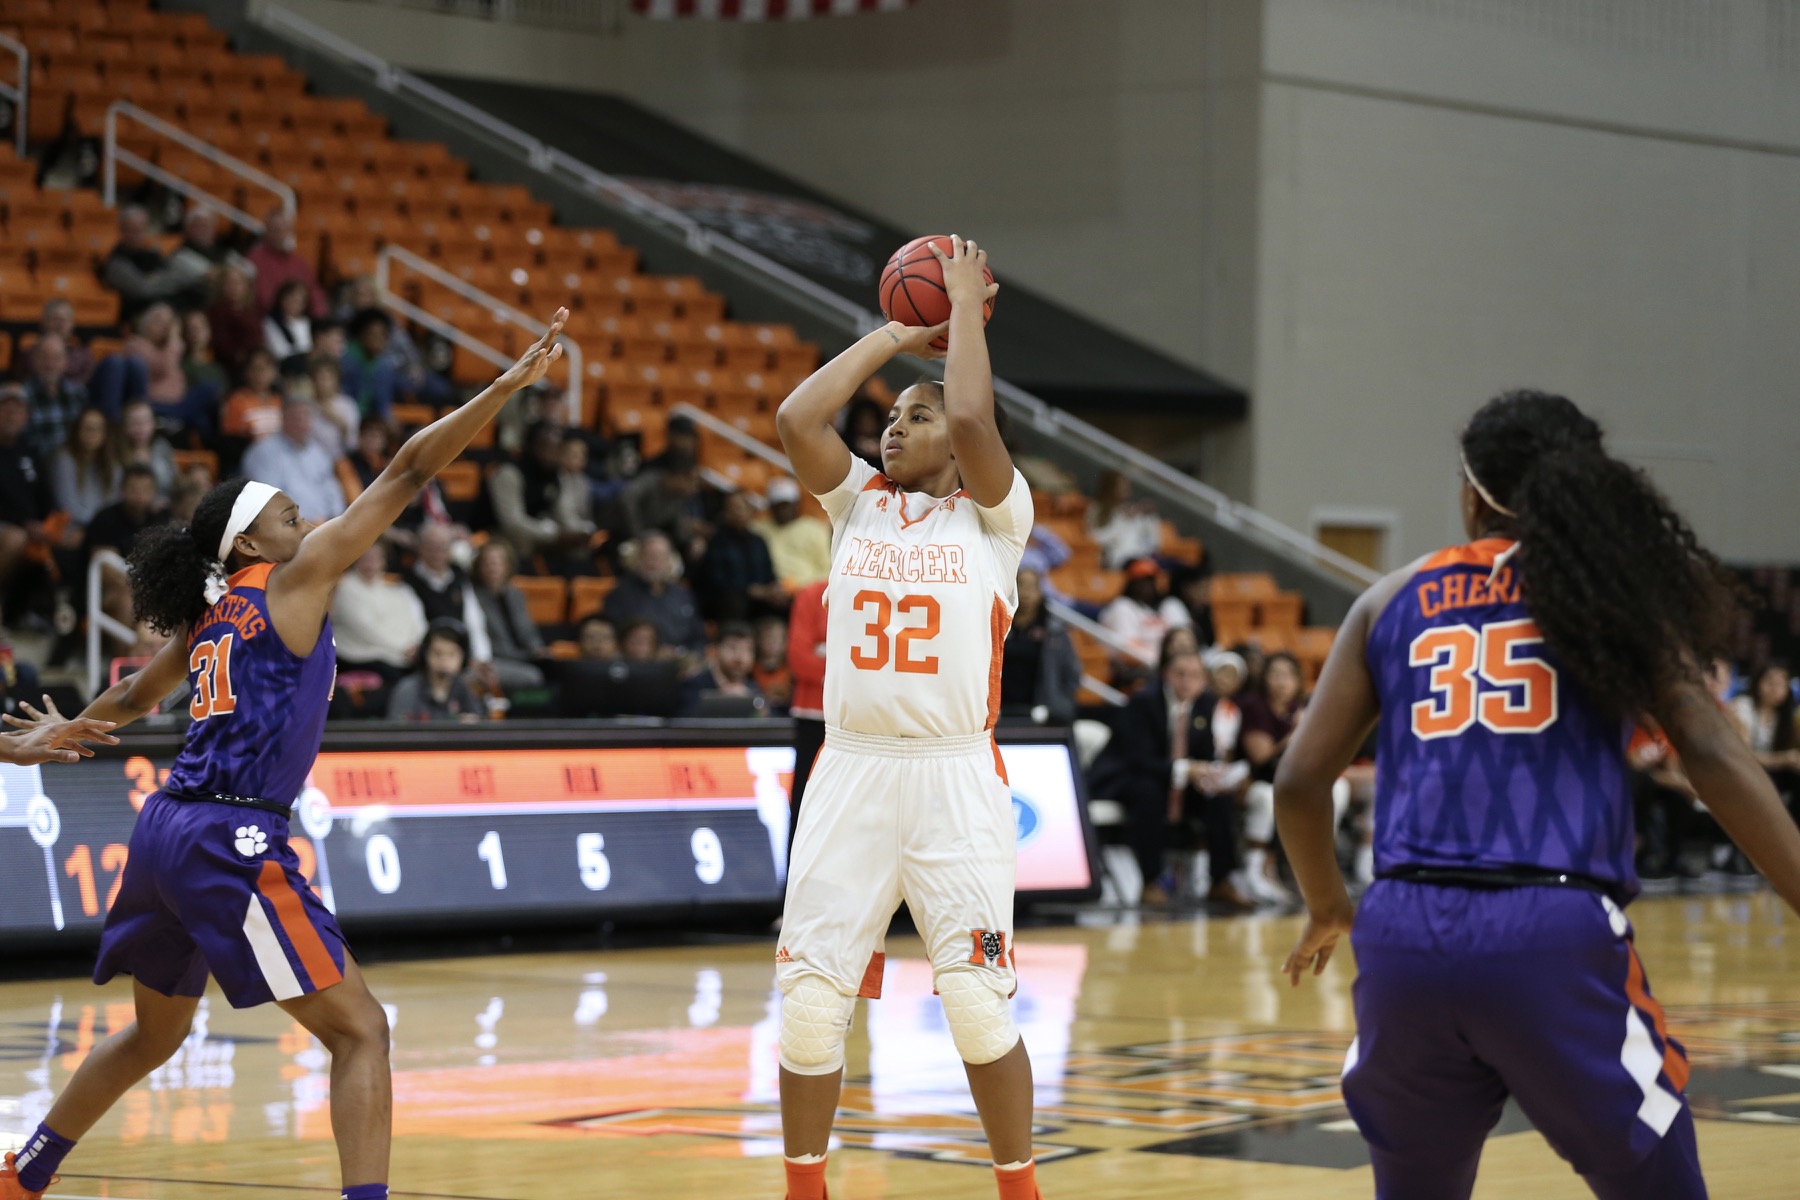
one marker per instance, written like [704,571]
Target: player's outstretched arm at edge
[334,547]
[982,459]
[818,455]
[51,737]
[1732,784]
[133,696]
[1343,709]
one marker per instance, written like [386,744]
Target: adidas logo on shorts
[250,841]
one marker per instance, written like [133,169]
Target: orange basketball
[912,287]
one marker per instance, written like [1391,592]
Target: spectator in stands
[25,496]
[517,646]
[666,499]
[598,640]
[799,547]
[339,420]
[368,375]
[276,262]
[186,493]
[116,528]
[413,376]
[236,321]
[444,588]
[1040,672]
[865,420]
[806,663]
[18,678]
[639,642]
[1044,552]
[201,255]
[254,411]
[1126,529]
[287,330]
[369,457]
[1217,773]
[137,270]
[156,342]
[681,444]
[772,673]
[653,591]
[378,622]
[58,320]
[1270,714]
[140,443]
[1186,604]
[1134,618]
[85,474]
[1767,718]
[54,399]
[435,691]
[293,461]
[207,380]
[735,579]
[1148,767]
[543,503]
[727,670]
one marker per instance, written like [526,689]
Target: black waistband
[1502,877]
[256,802]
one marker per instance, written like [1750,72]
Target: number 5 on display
[590,856]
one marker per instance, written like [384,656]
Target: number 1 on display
[490,853]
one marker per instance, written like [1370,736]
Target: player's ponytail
[171,564]
[1626,597]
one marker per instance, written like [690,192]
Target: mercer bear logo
[250,841]
[989,948]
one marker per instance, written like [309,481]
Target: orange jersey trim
[871,980]
[1483,553]
[273,883]
[1675,1063]
[254,576]
[998,623]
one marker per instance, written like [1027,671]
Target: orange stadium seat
[588,595]
[547,600]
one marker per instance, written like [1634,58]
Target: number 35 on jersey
[1490,675]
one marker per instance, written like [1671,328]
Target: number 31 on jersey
[1520,696]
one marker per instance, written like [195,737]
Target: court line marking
[231,1183]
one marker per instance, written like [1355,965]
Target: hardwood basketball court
[1171,1062]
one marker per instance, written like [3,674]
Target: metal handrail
[852,317]
[392,253]
[99,622]
[734,435]
[114,154]
[1100,633]
[1105,691]
[21,95]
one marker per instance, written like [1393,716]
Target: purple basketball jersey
[258,708]
[1490,754]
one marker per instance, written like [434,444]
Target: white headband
[1483,492]
[249,506]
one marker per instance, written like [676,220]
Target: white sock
[1019,1166]
[805,1160]
[1254,862]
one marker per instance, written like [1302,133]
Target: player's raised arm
[335,546]
[805,419]
[981,456]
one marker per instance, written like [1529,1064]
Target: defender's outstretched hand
[534,362]
[51,737]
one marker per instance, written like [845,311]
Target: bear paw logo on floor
[250,841]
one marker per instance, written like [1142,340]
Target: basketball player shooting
[908,800]
[212,886]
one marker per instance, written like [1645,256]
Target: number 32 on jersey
[918,622]
[1520,696]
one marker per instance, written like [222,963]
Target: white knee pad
[815,1020]
[1259,813]
[981,1022]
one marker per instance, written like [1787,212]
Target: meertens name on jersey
[870,558]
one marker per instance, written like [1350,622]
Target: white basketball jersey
[918,603]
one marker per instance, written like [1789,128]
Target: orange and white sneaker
[10,1187]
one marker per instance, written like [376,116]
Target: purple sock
[366,1191]
[43,1152]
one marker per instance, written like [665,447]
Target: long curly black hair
[171,563]
[1625,595]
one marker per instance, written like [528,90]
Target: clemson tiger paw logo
[250,841]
